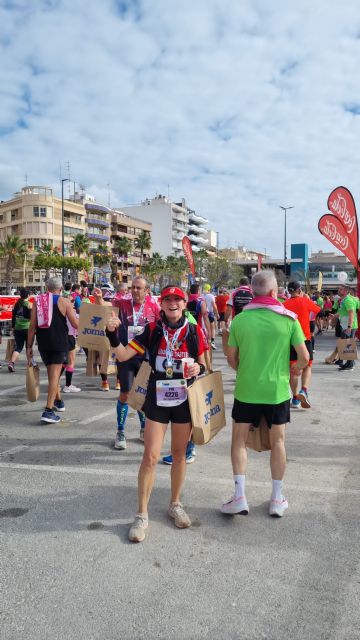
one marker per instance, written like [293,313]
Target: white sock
[239,486]
[276,490]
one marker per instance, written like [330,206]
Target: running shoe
[235,505]
[120,440]
[189,456]
[295,403]
[138,528]
[277,508]
[11,367]
[71,389]
[49,417]
[348,366]
[213,345]
[59,405]
[339,363]
[142,435]
[105,386]
[304,399]
[179,515]
[117,386]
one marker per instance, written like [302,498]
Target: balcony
[97,207]
[97,236]
[193,217]
[91,219]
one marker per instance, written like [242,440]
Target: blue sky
[237,106]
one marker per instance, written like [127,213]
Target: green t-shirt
[22,317]
[190,317]
[263,338]
[347,304]
[320,302]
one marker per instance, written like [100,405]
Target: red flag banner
[342,206]
[333,229]
[187,249]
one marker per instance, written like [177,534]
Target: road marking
[20,447]
[133,474]
[105,414]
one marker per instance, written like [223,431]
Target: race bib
[170,393]
[134,331]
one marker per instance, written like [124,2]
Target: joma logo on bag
[93,332]
[140,390]
[214,410]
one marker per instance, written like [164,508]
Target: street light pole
[62,223]
[285,209]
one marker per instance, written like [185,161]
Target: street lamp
[62,223]
[285,209]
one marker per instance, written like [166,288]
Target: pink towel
[44,310]
[272,304]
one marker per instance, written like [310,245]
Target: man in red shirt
[302,306]
[221,302]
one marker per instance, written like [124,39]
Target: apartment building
[35,215]
[171,221]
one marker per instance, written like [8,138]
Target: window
[30,277]
[42,212]
[39,212]
[36,212]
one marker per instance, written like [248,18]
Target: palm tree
[122,247]
[175,268]
[13,250]
[154,268]
[44,257]
[143,242]
[80,244]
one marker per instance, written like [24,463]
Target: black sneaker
[348,366]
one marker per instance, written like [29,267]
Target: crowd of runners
[268,337]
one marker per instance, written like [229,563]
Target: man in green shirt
[348,321]
[259,350]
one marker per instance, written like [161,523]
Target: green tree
[80,244]
[13,250]
[143,242]
[122,247]
[154,269]
[175,269]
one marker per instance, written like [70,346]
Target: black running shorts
[71,343]
[54,357]
[251,413]
[126,372]
[20,336]
[179,414]
[308,345]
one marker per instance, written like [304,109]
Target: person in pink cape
[258,349]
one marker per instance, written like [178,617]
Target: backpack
[155,339]
[240,298]
[194,306]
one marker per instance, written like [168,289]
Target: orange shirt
[221,301]
[302,307]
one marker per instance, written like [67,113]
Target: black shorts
[179,414]
[221,316]
[251,413]
[211,317]
[54,357]
[71,343]
[20,336]
[312,326]
[126,372]
[308,345]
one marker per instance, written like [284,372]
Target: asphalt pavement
[68,572]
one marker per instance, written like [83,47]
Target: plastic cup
[186,363]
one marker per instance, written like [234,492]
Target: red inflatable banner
[187,249]
[342,206]
[333,229]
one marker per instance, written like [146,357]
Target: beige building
[35,215]
[240,253]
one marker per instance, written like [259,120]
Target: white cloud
[240,106]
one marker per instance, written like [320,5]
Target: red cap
[172,291]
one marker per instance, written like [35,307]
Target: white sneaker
[235,505]
[138,528]
[277,508]
[71,389]
[178,513]
[120,440]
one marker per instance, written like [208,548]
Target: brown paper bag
[108,362]
[347,349]
[92,364]
[207,407]
[258,437]
[9,349]
[138,390]
[33,383]
[92,324]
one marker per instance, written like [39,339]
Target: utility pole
[285,209]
